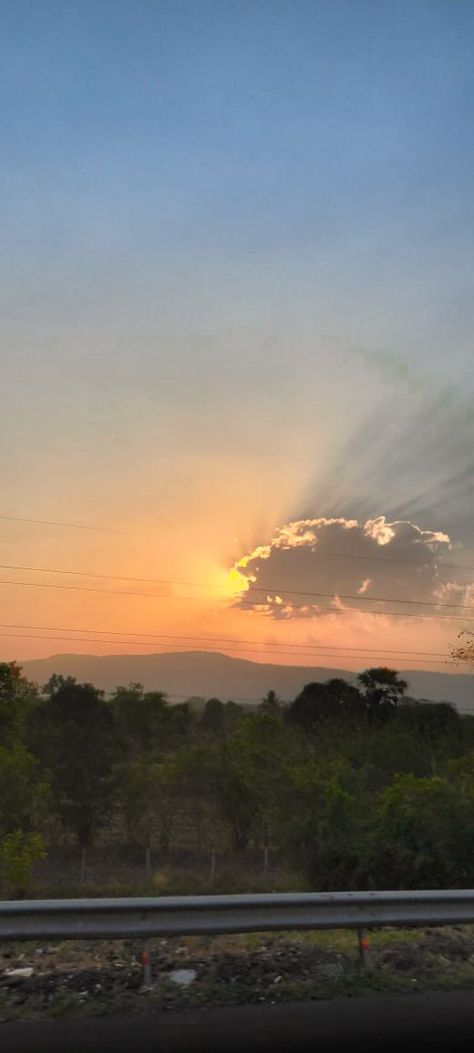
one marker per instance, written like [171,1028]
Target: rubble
[87,976]
[19,974]
[183,977]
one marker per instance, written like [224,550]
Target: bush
[19,852]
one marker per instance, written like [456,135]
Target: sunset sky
[237,316]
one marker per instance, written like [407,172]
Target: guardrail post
[364,950]
[146,963]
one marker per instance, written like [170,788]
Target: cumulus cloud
[312,566]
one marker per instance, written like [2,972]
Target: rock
[183,977]
[19,974]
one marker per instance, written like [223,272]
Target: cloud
[312,566]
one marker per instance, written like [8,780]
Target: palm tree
[383,688]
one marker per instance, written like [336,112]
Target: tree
[23,795]
[270,704]
[347,698]
[146,721]
[312,705]
[139,718]
[18,696]
[433,720]
[213,719]
[77,750]
[251,771]
[318,819]
[198,786]
[422,835]
[148,798]
[218,719]
[318,703]
[56,681]
[19,851]
[383,690]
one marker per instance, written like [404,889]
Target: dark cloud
[340,558]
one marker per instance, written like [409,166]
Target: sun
[235,582]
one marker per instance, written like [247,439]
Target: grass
[170,880]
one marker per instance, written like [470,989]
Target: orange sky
[187,616]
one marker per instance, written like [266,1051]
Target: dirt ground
[96,978]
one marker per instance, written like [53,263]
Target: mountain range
[213,675]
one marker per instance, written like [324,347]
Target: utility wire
[179,649]
[264,603]
[174,538]
[100,529]
[220,640]
[269,588]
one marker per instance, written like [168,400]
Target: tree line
[358,786]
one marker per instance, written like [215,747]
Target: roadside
[87,979]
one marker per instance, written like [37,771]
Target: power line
[359,652]
[371,599]
[253,604]
[219,640]
[172,537]
[101,529]
[180,649]
[109,577]
[269,588]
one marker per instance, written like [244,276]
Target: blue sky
[236,268]
[231,164]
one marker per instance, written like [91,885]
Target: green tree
[23,795]
[56,681]
[19,851]
[77,750]
[422,835]
[139,718]
[319,703]
[146,721]
[18,696]
[250,776]
[313,705]
[149,796]
[318,816]
[346,697]
[431,720]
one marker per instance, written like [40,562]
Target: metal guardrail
[187,915]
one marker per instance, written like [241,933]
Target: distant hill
[209,674]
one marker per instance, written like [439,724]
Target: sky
[236,318]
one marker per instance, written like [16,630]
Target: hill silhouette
[210,674]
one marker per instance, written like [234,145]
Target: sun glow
[235,582]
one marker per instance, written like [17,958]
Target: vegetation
[348,787]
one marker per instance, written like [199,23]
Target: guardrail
[188,915]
